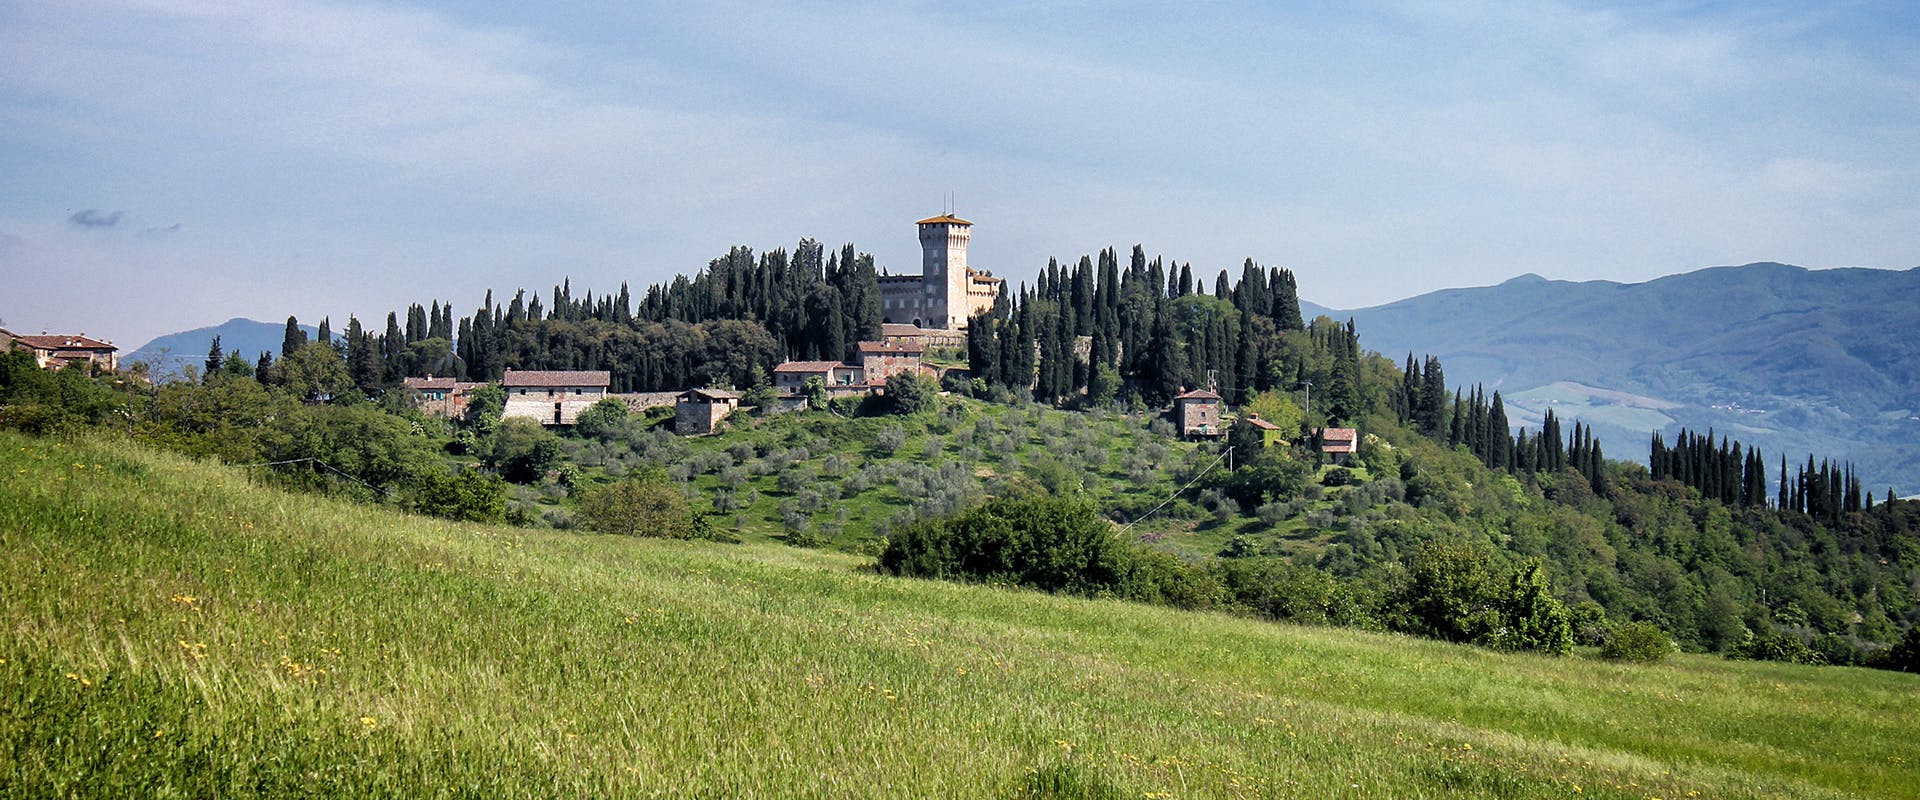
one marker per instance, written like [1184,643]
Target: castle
[947,292]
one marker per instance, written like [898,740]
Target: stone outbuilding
[698,412]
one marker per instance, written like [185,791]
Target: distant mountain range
[168,354]
[1795,361]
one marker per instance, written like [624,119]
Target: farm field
[174,629]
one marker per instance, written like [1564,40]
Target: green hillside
[176,630]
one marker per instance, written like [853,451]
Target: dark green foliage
[485,404]
[522,450]
[468,496]
[911,392]
[602,420]
[1905,655]
[1271,476]
[1277,589]
[1776,646]
[1531,617]
[1452,592]
[41,401]
[1048,543]
[314,373]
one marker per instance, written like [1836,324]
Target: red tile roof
[709,394]
[944,219]
[1197,394]
[556,377]
[62,342]
[1262,424]
[1339,440]
[808,366]
[418,384]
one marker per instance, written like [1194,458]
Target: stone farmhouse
[440,397]
[1340,444]
[53,351]
[874,364]
[1197,413]
[947,292]
[554,397]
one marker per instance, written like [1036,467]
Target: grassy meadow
[173,629]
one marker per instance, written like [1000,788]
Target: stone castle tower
[943,269]
[947,292]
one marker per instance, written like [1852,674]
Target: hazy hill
[1793,360]
[167,354]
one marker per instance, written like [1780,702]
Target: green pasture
[175,630]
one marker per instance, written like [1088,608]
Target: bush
[521,450]
[1776,646]
[643,507]
[1636,641]
[889,439]
[603,420]
[468,496]
[911,393]
[1048,543]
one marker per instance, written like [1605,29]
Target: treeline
[730,324]
[1096,332]
[1725,472]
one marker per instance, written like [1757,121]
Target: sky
[170,164]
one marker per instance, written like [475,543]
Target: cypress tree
[1500,456]
[293,339]
[215,357]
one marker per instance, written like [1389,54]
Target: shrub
[603,420]
[642,507]
[889,439]
[911,392]
[1776,646]
[1636,641]
[1048,543]
[521,450]
[468,496]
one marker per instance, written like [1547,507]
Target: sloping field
[172,630]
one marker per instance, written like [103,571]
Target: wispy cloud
[95,218]
[359,154]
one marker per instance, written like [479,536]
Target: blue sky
[168,164]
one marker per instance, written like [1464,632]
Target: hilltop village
[1194,440]
[934,306]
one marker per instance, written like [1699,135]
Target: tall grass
[174,630]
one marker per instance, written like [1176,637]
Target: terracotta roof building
[1340,443]
[53,351]
[554,397]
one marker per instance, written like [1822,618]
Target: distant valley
[1795,361]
